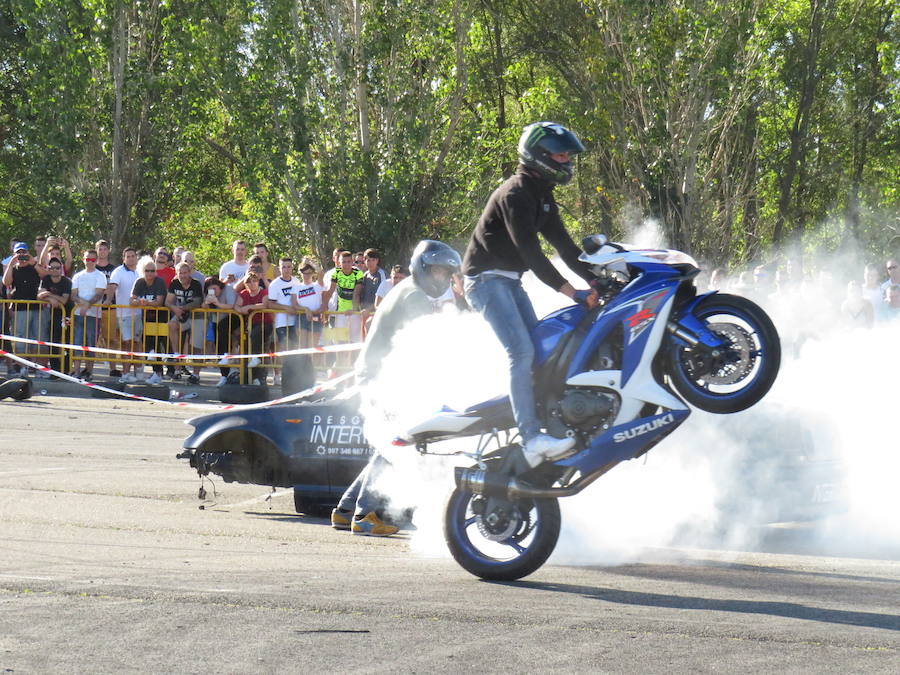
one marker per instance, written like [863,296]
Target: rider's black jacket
[506,237]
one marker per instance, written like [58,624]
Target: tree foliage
[309,123]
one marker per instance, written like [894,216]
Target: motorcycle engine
[585,410]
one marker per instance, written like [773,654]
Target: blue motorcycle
[617,378]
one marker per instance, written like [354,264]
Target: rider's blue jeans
[506,306]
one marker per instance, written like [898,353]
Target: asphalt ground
[108,564]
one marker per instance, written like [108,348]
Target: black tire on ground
[297,374]
[482,564]
[118,386]
[309,506]
[243,393]
[160,392]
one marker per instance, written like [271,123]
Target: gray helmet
[542,139]
[428,256]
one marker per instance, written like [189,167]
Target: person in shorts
[128,321]
[149,291]
[346,284]
[185,293]
[282,292]
[308,303]
[88,289]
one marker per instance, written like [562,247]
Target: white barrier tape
[352,346]
[181,404]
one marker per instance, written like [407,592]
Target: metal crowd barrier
[208,332]
[327,328]
[36,320]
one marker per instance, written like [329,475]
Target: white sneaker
[256,382]
[222,380]
[276,381]
[128,378]
[154,379]
[253,362]
[224,361]
[543,448]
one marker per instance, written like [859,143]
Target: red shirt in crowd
[166,274]
[259,298]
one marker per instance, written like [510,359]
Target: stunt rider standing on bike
[504,245]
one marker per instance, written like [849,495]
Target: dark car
[779,465]
[316,448]
[775,465]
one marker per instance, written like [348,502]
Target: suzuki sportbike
[618,378]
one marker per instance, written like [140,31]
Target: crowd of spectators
[158,302]
[815,303]
[147,302]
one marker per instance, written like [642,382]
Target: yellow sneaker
[340,520]
[374,526]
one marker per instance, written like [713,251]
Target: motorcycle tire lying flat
[159,392]
[243,393]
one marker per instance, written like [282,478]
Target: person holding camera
[22,278]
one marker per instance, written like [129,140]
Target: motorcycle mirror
[593,243]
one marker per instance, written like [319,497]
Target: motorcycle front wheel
[500,540]
[743,372]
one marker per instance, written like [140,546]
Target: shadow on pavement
[788,610]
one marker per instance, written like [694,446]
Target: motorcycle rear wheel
[511,552]
[754,351]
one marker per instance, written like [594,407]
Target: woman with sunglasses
[149,290]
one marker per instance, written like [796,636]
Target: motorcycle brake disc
[740,348]
[502,531]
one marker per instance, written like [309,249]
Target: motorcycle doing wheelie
[608,377]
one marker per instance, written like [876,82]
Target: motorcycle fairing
[626,441]
[642,310]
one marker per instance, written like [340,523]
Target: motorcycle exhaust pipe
[481,482]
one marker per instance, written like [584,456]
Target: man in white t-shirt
[308,304]
[88,288]
[282,293]
[233,270]
[121,281]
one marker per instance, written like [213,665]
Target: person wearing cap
[22,278]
